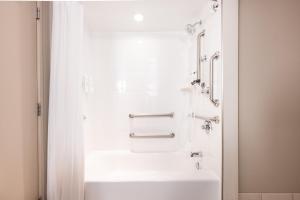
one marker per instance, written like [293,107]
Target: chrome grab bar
[199,67]
[211,78]
[214,119]
[133,135]
[199,58]
[152,115]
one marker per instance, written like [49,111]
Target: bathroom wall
[151,72]
[136,73]
[269,96]
[18,89]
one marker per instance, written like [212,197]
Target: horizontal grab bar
[152,115]
[133,135]
[215,119]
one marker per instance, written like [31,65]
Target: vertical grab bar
[214,57]
[198,70]
[199,67]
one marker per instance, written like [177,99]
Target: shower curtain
[65,173]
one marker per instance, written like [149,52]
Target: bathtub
[123,175]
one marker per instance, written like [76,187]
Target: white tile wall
[140,72]
[136,73]
[269,196]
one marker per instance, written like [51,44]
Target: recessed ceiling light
[138,17]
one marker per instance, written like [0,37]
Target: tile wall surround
[131,74]
[269,196]
[145,72]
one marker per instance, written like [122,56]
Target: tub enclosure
[152,100]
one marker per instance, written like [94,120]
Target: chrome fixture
[197,81]
[214,57]
[191,28]
[211,119]
[198,167]
[214,119]
[205,90]
[197,154]
[215,5]
[152,115]
[200,59]
[151,136]
[207,126]
[203,58]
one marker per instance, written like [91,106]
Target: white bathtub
[122,175]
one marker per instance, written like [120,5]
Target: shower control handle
[197,81]
[207,126]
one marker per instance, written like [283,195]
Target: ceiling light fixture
[138,17]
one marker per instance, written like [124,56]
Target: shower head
[191,28]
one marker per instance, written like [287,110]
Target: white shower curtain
[65,179]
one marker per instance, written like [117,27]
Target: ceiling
[159,15]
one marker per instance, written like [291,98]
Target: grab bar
[152,115]
[211,79]
[212,119]
[199,58]
[133,135]
[199,67]
[215,119]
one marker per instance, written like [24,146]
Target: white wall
[144,72]
[136,73]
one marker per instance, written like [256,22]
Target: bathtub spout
[196,154]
